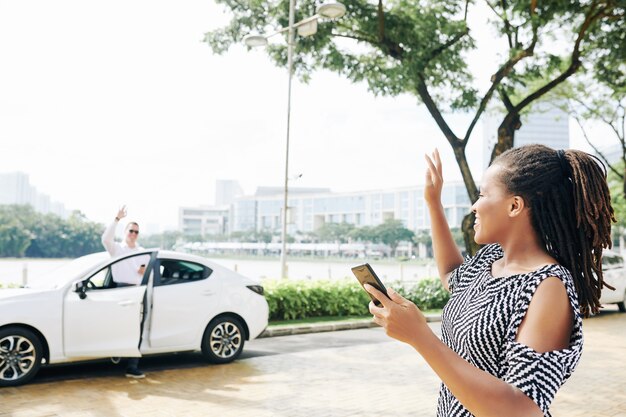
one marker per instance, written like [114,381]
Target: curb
[294,329]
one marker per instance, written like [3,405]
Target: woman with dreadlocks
[512,330]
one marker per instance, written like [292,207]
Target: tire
[621,305]
[223,340]
[20,356]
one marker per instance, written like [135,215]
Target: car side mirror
[81,289]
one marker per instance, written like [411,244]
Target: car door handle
[208,292]
[126,302]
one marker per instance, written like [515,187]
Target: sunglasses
[133,231]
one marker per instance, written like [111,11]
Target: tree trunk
[506,134]
[468,234]
[624,179]
[467,225]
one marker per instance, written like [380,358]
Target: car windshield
[61,275]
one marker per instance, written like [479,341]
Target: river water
[20,271]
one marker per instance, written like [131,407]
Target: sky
[116,103]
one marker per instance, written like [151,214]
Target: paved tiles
[378,379]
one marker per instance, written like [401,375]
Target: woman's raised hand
[434,179]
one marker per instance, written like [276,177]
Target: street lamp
[305,27]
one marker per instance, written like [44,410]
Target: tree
[419,47]
[333,232]
[425,238]
[165,240]
[15,232]
[362,234]
[25,232]
[391,233]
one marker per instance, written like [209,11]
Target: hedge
[292,300]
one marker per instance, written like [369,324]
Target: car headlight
[256,288]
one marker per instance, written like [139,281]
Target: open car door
[103,320]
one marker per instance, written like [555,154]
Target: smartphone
[366,275]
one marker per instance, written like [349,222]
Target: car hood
[11,293]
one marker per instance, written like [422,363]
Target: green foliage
[392,232]
[24,232]
[333,232]
[363,234]
[291,300]
[427,294]
[166,240]
[394,56]
[397,46]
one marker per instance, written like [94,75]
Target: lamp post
[305,27]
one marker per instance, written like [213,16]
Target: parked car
[80,312]
[614,275]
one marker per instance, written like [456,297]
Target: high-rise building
[226,191]
[546,124]
[15,188]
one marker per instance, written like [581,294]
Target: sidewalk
[292,329]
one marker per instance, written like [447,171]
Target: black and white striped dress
[480,323]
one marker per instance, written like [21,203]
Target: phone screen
[366,275]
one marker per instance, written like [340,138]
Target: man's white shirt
[126,271]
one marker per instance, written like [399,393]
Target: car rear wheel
[223,340]
[20,356]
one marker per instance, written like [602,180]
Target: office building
[310,209]
[203,221]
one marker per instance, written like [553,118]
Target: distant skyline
[15,188]
[111,103]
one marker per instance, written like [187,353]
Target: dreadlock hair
[570,208]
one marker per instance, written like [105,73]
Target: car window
[128,271]
[612,261]
[100,278]
[124,272]
[179,272]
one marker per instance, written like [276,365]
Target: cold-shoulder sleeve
[540,375]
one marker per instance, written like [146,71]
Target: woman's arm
[480,392]
[447,254]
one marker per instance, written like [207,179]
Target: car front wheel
[20,356]
[223,340]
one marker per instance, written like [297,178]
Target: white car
[615,275]
[184,303]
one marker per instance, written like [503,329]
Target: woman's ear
[517,206]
